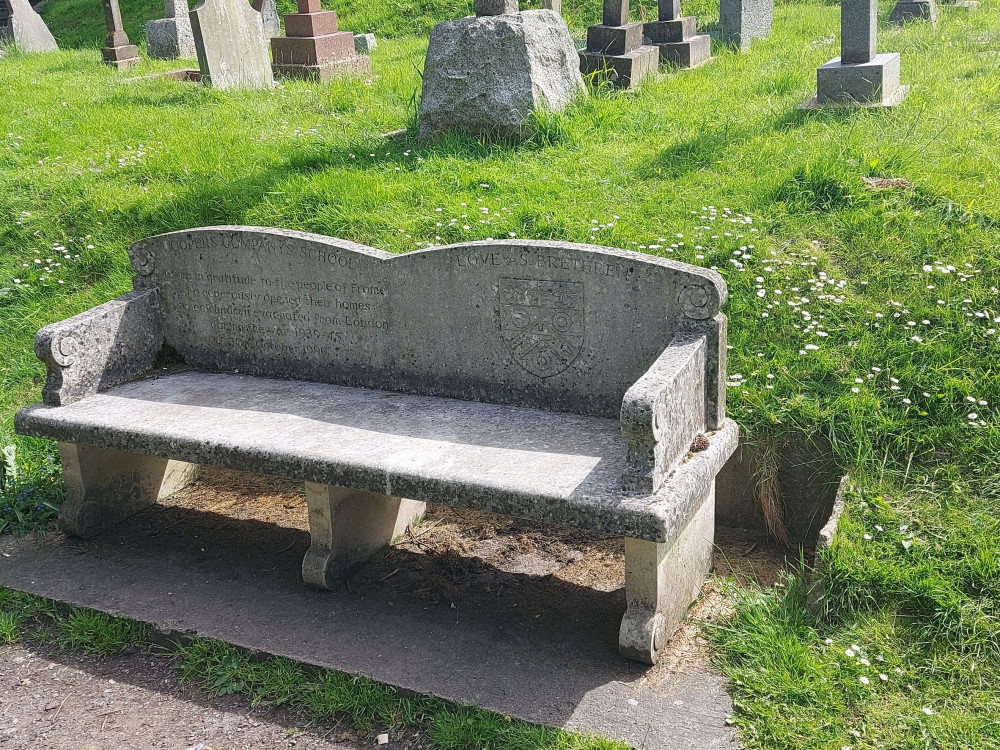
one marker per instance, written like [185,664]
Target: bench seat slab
[551,467]
[104,487]
[348,527]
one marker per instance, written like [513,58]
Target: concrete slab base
[527,644]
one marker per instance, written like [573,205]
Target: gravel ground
[58,701]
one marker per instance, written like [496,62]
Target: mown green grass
[637,171]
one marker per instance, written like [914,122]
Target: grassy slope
[100,163]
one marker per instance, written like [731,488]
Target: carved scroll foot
[104,487]
[348,527]
[661,582]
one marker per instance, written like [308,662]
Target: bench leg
[349,526]
[104,487]
[662,581]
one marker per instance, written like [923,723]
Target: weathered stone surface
[742,21]
[100,348]
[614,40]
[170,38]
[19,22]
[365,43]
[268,10]
[875,82]
[858,31]
[494,7]
[914,10]
[232,48]
[615,12]
[487,75]
[558,468]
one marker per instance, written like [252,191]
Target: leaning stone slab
[232,49]
[20,23]
[742,21]
[487,75]
[365,44]
[914,10]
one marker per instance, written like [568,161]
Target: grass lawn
[866,316]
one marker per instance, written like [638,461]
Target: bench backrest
[559,326]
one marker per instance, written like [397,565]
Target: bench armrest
[100,348]
[664,412]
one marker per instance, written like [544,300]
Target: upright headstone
[20,23]
[677,37]
[555,5]
[615,51]
[313,47]
[742,21]
[118,52]
[170,37]
[268,10]
[914,10]
[860,76]
[232,48]
[487,75]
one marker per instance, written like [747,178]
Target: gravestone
[555,5]
[232,48]
[860,77]
[364,43]
[914,10]
[615,52]
[118,52]
[171,37]
[676,37]
[486,75]
[21,24]
[742,21]
[314,48]
[268,10]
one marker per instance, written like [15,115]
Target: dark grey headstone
[858,31]
[668,10]
[615,12]
[914,10]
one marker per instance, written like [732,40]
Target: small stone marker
[486,75]
[268,10]
[615,52]
[677,37]
[118,52]
[860,77]
[554,5]
[914,10]
[232,48]
[314,48]
[742,21]
[19,22]
[170,37]
[364,43]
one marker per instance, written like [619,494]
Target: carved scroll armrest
[100,348]
[664,412]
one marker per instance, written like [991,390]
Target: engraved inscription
[541,323]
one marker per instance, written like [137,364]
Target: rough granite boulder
[487,75]
[171,37]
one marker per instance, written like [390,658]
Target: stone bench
[570,384]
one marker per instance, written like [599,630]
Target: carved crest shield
[541,323]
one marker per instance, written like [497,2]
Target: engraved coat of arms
[541,323]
